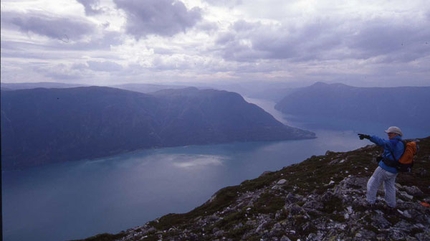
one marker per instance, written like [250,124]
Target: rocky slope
[321,198]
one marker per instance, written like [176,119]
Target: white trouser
[389,180]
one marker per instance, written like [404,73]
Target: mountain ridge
[401,106]
[54,125]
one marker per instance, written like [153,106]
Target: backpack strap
[394,163]
[404,149]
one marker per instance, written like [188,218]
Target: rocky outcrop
[338,214]
[321,198]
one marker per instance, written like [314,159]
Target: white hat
[394,129]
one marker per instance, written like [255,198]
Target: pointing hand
[363,136]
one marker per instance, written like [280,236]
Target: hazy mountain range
[42,126]
[71,123]
[402,106]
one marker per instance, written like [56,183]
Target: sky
[298,42]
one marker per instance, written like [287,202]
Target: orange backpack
[406,161]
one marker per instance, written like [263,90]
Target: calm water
[80,199]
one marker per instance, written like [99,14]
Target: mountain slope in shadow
[402,106]
[42,126]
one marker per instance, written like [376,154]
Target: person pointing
[385,173]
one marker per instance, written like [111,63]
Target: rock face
[322,198]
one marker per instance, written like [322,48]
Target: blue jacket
[394,146]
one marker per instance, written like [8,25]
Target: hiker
[384,173]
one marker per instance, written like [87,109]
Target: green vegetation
[269,203]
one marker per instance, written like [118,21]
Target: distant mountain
[256,90]
[402,106]
[272,91]
[21,86]
[217,116]
[147,88]
[54,125]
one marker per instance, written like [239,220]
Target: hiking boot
[390,210]
[370,206]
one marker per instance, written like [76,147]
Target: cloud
[324,39]
[159,17]
[250,41]
[402,42]
[227,3]
[208,40]
[92,7]
[60,71]
[106,66]
[48,25]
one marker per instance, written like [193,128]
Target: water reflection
[197,162]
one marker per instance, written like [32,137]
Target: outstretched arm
[363,136]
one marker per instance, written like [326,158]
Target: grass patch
[269,203]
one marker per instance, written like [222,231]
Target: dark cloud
[104,41]
[159,17]
[323,39]
[51,26]
[92,7]
[312,41]
[377,39]
[86,39]
[247,42]
[403,42]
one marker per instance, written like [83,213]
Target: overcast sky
[105,42]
